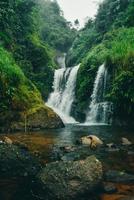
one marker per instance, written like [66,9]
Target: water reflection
[69,135]
[41,144]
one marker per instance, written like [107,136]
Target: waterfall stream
[62,97]
[61,60]
[100,111]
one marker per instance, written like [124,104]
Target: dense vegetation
[33,31]
[27,54]
[110,39]
[55,30]
[17,94]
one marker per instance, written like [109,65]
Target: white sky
[79,9]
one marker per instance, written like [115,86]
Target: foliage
[122,94]
[117,50]
[14,24]
[17,93]
[55,30]
[33,31]
[81,45]
[37,63]
[108,38]
[111,15]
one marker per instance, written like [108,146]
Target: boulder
[7,140]
[17,162]
[44,118]
[91,140]
[41,118]
[69,180]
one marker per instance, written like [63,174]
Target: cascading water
[99,110]
[61,60]
[61,99]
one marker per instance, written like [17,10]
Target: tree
[77,24]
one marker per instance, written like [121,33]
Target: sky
[79,9]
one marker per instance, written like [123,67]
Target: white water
[62,97]
[61,60]
[99,110]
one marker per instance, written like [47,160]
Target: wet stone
[131,153]
[118,177]
[109,188]
[15,161]
[69,180]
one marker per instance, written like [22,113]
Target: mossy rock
[41,118]
[21,104]
[15,161]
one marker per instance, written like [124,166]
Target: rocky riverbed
[35,167]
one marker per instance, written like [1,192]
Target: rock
[75,153]
[67,180]
[109,188]
[72,156]
[111,145]
[7,140]
[15,162]
[113,150]
[41,118]
[44,118]
[91,140]
[125,141]
[118,177]
[67,149]
[131,153]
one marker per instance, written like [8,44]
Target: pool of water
[41,144]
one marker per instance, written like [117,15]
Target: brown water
[41,144]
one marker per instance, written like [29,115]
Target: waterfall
[99,110]
[62,97]
[61,60]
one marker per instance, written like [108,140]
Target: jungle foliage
[55,30]
[17,93]
[33,31]
[108,38]
[27,57]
